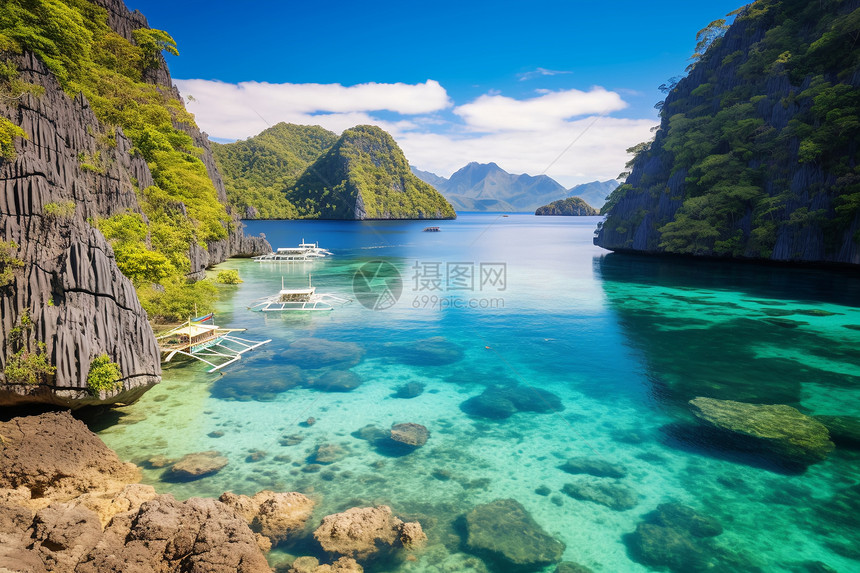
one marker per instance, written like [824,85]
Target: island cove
[499,396]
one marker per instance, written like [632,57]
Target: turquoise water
[624,342]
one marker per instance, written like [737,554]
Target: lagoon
[624,342]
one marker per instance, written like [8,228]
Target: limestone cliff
[757,152]
[68,292]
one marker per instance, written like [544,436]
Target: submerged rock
[320,353]
[408,390]
[312,565]
[613,496]
[362,532]
[197,465]
[777,428]
[435,351]
[500,402]
[410,434]
[673,535]
[260,388]
[571,567]
[595,467]
[504,532]
[329,453]
[844,430]
[336,381]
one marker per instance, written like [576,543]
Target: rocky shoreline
[69,504]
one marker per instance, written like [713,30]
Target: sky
[539,87]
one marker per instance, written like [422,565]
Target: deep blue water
[623,342]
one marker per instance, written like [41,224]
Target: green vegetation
[8,262]
[177,299]
[8,132]
[570,206]
[104,375]
[365,175]
[228,277]
[258,171]
[741,148]
[62,210]
[74,41]
[25,367]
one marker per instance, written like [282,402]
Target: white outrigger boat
[303,253]
[207,343]
[299,299]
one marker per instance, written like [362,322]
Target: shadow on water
[712,442]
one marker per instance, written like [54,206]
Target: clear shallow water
[623,341]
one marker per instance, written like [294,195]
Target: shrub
[8,262]
[228,277]
[8,132]
[104,375]
[26,367]
[64,210]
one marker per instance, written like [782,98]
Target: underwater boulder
[312,565]
[489,405]
[196,465]
[660,546]
[571,567]
[247,387]
[595,467]
[336,381]
[500,402]
[686,518]
[319,353]
[777,428]
[329,453]
[414,435]
[435,351]
[614,496]
[504,532]
[531,399]
[408,390]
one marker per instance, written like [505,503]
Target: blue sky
[497,81]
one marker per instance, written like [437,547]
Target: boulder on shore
[777,428]
[506,533]
[277,516]
[362,532]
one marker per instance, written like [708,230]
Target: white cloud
[598,153]
[241,110]
[548,111]
[522,136]
[536,73]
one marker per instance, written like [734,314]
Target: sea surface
[623,342]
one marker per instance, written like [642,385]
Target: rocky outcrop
[754,158]
[570,207]
[67,505]
[505,533]
[80,304]
[312,565]
[779,429]
[276,516]
[364,532]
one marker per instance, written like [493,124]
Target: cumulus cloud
[521,135]
[536,73]
[598,153]
[547,111]
[234,111]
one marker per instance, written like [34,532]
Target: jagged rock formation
[756,156]
[365,175]
[69,285]
[364,532]
[68,504]
[572,206]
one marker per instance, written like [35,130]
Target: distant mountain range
[488,187]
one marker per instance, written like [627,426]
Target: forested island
[758,151]
[572,206]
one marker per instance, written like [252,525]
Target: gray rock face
[80,304]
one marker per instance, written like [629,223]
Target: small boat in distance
[303,253]
[432,229]
[207,343]
[299,299]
